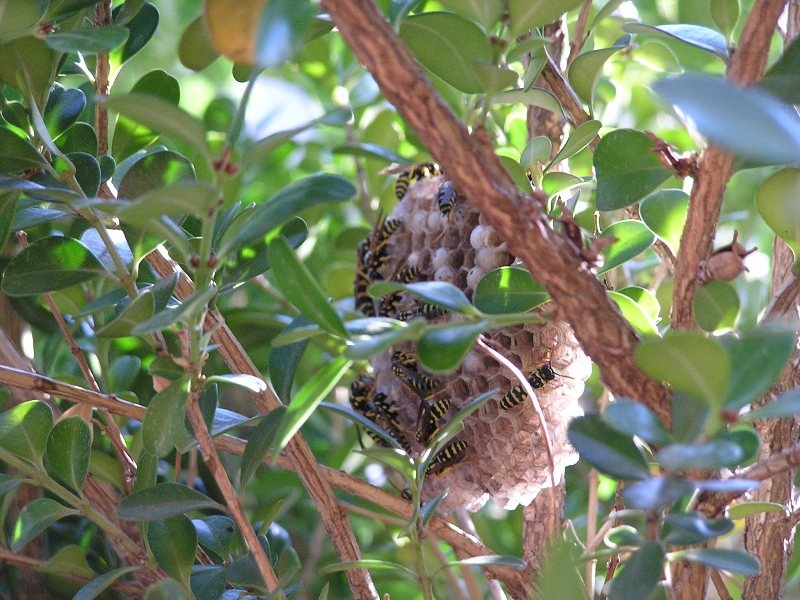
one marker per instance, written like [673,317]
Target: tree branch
[716,166]
[474,167]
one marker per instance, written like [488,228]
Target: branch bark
[472,164]
[716,166]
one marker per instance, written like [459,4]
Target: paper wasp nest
[505,457]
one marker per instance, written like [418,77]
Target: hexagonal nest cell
[505,457]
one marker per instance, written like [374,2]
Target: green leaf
[362,421]
[301,289]
[284,360]
[150,171]
[716,306]
[17,154]
[195,50]
[27,64]
[167,589]
[558,576]
[783,78]
[440,293]
[188,308]
[24,430]
[67,455]
[527,14]
[633,238]
[34,518]
[306,401]
[87,172]
[369,151]
[52,263]
[737,486]
[683,529]
[384,333]
[508,290]
[494,78]
[635,315]
[531,97]
[8,209]
[173,543]
[449,46]
[537,150]
[162,427]
[100,584]
[767,130]
[80,137]
[249,382]
[606,449]
[373,565]
[627,169]
[786,405]
[653,493]
[215,533]
[88,41]
[141,27]
[776,203]
[694,35]
[442,348]
[9,483]
[63,108]
[428,510]
[163,117]
[393,458]
[163,500]
[141,309]
[645,299]
[209,582]
[19,15]
[757,358]
[725,13]
[182,198]
[689,362]
[636,419]
[664,212]
[715,454]
[299,195]
[556,182]
[106,468]
[580,137]
[258,444]
[484,12]
[640,574]
[740,510]
[585,70]
[735,561]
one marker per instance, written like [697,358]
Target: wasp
[378,251]
[428,311]
[447,458]
[360,392]
[537,379]
[404,366]
[364,303]
[406,274]
[390,412]
[407,360]
[429,422]
[413,174]
[446,199]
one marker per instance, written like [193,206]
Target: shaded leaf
[636,419]
[449,46]
[163,500]
[740,510]
[258,444]
[640,575]
[715,454]
[508,290]
[653,493]
[606,449]
[36,516]
[141,309]
[767,130]
[194,49]
[698,36]
[684,529]
[173,543]
[440,293]
[783,78]
[63,109]
[735,561]
[786,405]
[163,422]
[578,139]
[188,308]
[215,533]
[527,14]
[531,97]
[17,154]
[664,212]
[100,584]
[442,348]
[141,27]
[633,238]
[716,306]
[284,360]
[585,70]
[24,430]
[88,41]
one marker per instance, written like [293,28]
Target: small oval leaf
[606,449]
[163,500]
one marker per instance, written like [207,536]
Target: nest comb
[505,457]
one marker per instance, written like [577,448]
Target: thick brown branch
[716,166]
[475,169]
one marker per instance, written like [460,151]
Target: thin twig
[579,37]
[472,592]
[101,82]
[232,501]
[719,585]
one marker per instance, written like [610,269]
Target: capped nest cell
[505,457]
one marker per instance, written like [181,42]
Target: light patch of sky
[276,105]
[628,10]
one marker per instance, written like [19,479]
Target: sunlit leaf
[164,419]
[632,238]
[508,290]
[527,14]
[664,212]
[716,306]
[694,35]
[67,454]
[741,510]
[735,561]
[442,348]
[608,450]
[585,70]
[88,41]
[36,516]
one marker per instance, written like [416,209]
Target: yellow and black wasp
[405,274]
[390,412]
[537,379]
[361,402]
[378,246]
[361,283]
[447,458]
[446,198]
[428,311]
[412,174]
[432,414]
[406,369]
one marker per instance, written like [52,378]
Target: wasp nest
[501,452]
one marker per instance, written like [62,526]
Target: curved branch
[474,167]
[716,166]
